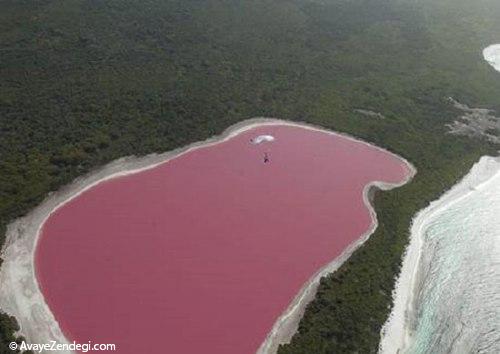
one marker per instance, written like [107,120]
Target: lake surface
[202,254]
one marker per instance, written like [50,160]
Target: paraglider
[263,139]
[266,157]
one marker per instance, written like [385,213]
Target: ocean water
[447,298]
[456,304]
[457,298]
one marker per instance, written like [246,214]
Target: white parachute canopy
[261,139]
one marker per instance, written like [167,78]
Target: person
[266,158]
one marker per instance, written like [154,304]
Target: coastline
[20,294]
[492,55]
[397,331]
[287,324]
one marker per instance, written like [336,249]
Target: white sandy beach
[396,334]
[492,55]
[20,294]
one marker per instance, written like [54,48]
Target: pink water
[203,253]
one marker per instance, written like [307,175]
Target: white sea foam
[447,296]
[458,297]
[397,333]
[492,55]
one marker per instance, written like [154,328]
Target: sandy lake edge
[20,294]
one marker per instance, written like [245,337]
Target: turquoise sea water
[458,289]
[447,299]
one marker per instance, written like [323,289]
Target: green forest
[83,82]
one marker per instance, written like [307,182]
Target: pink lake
[202,253]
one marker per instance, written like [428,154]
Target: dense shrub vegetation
[83,82]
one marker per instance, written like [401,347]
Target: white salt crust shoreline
[20,294]
[396,333]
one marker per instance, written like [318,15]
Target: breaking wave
[448,294]
[458,289]
[492,55]
[447,298]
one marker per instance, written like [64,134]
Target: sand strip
[288,323]
[397,331]
[492,55]
[20,294]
